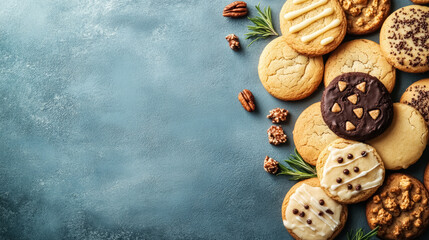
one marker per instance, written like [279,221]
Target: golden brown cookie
[308,213]
[426,177]
[420,1]
[400,208]
[365,16]
[417,96]
[286,74]
[404,39]
[311,135]
[313,27]
[360,55]
[349,171]
[403,143]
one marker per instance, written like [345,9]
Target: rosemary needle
[297,168]
[359,235]
[263,27]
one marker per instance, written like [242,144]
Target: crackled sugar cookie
[365,16]
[286,74]
[403,143]
[309,214]
[313,27]
[400,208]
[417,96]
[356,106]
[404,39]
[350,171]
[311,135]
[360,55]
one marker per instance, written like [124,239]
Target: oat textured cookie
[349,171]
[308,213]
[286,74]
[403,143]
[311,135]
[313,27]
[400,208]
[360,55]
[417,96]
[404,39]
[365,16]
[357,106]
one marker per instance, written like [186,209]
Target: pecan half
[233,41]
[247,99]
[235,10]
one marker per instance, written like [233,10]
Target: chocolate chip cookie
[400,208]
[357,106]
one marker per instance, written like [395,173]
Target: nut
[235,9]
[383,217]
[278,115]
[405,201]
[405,183]
[247,100]
[376,199]
[271,165]
[276,136]
[233,41]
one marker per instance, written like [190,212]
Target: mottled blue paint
[119,119]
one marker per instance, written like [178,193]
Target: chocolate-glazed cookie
[357,106]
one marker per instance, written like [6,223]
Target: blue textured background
[119,119]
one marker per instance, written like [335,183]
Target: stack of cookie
[356,132]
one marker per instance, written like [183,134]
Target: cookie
[365,16]
[404,39]
[360,55]
[313,27]
[286,74]
[417,96]
[308,213]
[400,208]
[403,143]
[420,1]
[356,106]
[311,135]
[349,171]
[426,177]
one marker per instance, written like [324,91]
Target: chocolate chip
[295,211]
[358,187]
[306,206]
[321,202]
[329,211]
[339,180]
[346,171]
[340,160]
[349,186]
[302,214]
[356,169]
[309,221]
[364,153]
[320,213]
[350,156]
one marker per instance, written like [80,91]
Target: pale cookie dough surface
[365,16]
[360,55]
[404,39]
[313,27]
[417,96]
[402,144]
[309,214]
[350,171]
[286,74]
[311,135]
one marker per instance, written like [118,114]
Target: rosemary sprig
[297,168]
[359,235]
[263,27]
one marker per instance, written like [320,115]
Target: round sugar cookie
[403,143]
[356,106]
[313,27]
[399,208]
[417,96]
[311,135]
[349,171]
[308,213]
[286,74]
[404,39]
[365,16]
[360,55]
